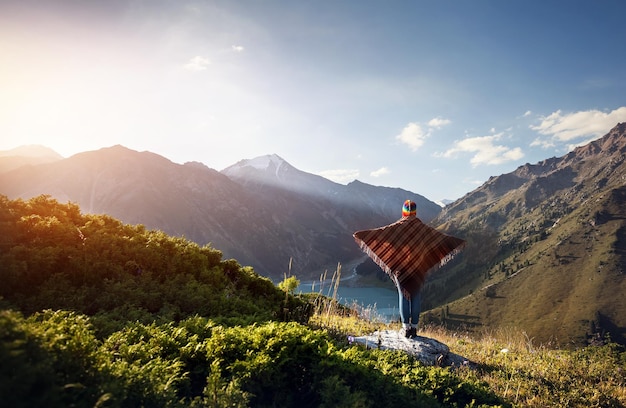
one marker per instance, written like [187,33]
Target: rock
[428,351]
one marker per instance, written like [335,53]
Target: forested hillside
[95,312]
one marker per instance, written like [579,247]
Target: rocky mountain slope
[272,173]
[262,225]
[546,249]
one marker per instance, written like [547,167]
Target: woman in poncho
[407,250]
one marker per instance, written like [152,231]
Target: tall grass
[508,360]
[330,314]
[534,375]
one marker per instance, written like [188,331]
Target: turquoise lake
[381,303]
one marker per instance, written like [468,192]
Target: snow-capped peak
[264,162]
[268,164]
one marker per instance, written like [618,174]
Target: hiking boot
[410,333]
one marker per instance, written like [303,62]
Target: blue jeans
[409,309]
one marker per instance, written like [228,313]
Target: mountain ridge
[27,155]
[551,258]
[272,171]
[267,227]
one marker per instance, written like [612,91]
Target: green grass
[516,369]
[81,324]
[509,362]
[538,376]
[512,365]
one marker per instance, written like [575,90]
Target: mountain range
[261,212]
[546,243]
[23,155]
[546,249]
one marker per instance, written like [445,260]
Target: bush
[54,359]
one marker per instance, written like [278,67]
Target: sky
[430,96]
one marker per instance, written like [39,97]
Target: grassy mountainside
[546,249]
[95,312]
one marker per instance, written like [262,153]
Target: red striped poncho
[408,250]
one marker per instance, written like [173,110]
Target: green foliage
[289,284]
[221,393]
[50,359]
[54,359]
[55,257]
[144,319]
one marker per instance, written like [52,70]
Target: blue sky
[430,96]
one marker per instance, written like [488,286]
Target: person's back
[407,250]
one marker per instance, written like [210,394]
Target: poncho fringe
[408,250]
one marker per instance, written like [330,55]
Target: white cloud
[380,172]
[437,123]
[413,135]
[544,143]
[340,175]
[238,48]
[485,150]
[583,124]
[527,114]
[198,63]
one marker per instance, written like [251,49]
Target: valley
[545,243]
